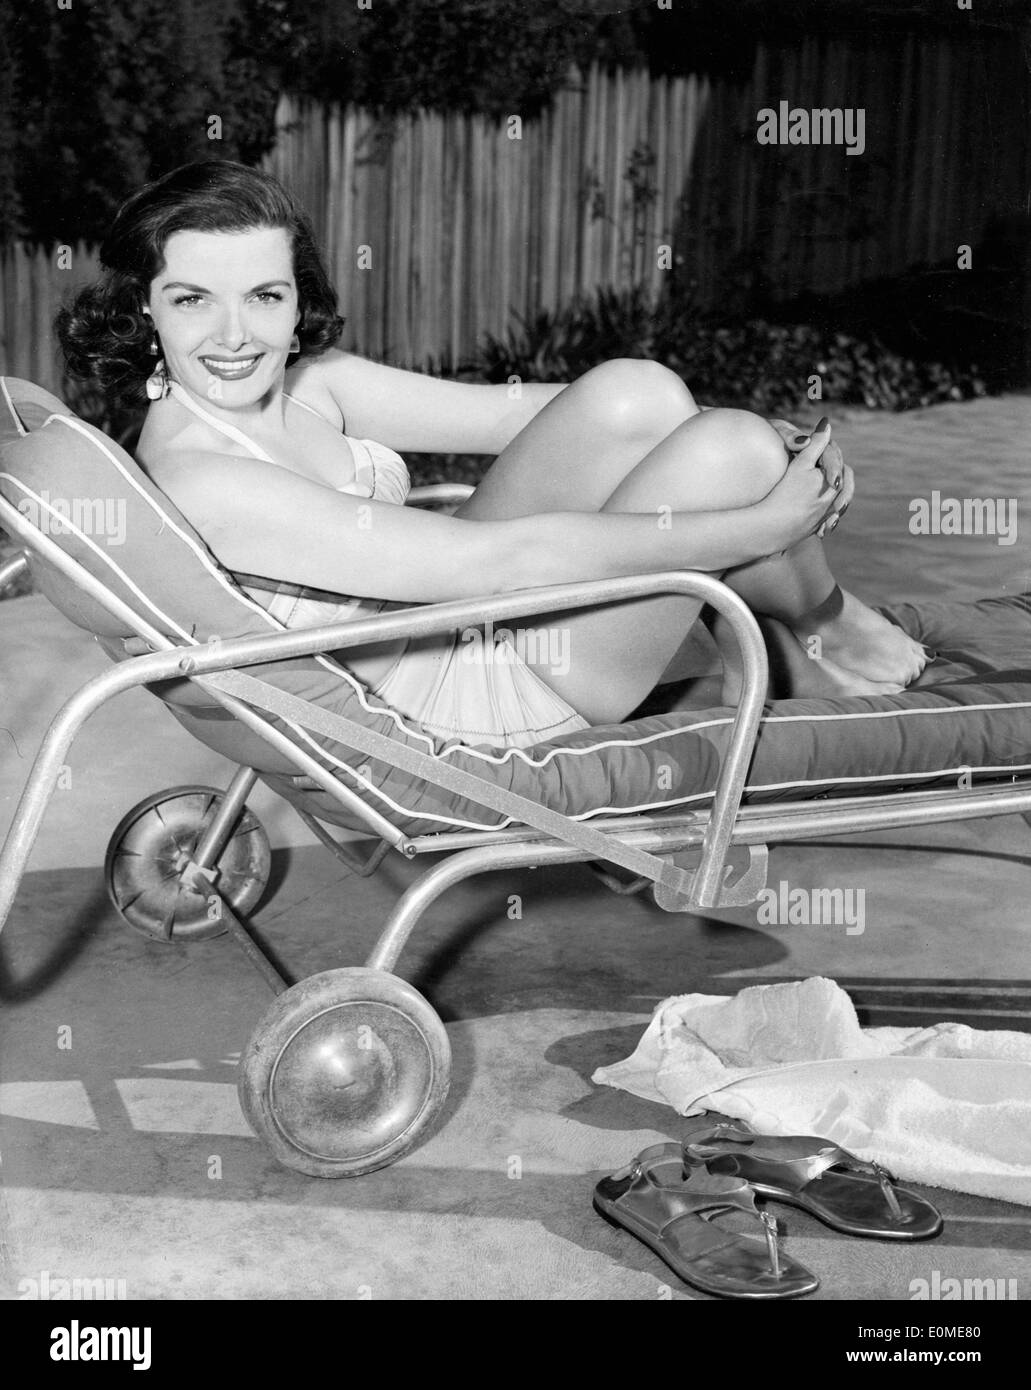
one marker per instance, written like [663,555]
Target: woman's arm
[412,411]
[260,519]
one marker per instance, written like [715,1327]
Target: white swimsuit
[380,474]
[459,686]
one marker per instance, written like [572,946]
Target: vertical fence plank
[461,146]
[42,362]
[23,315]
[592,228]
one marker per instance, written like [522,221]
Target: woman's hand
[814,491]
[832,461]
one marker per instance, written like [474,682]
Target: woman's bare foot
[861,641]
[793,673]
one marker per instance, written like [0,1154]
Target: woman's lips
[232,368]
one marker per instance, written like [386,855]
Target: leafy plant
[97,98]
[752,363]
[560,344]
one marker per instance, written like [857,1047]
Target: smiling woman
[229,334]
[214,301]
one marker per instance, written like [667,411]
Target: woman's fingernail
[801,439]
[823,424]
[833,522]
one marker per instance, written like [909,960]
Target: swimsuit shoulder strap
[305,406]
[223,426]
[365,467]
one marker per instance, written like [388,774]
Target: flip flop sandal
[672,1214]
[839,1189]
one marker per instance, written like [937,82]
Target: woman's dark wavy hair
[106,337]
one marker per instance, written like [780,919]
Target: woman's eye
[264,296]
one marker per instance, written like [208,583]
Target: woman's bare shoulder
[320,382]
[169,454]
[201,481]
[407,409]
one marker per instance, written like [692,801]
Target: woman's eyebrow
[199,289]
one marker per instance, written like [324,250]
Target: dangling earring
[295,345]
[157,382]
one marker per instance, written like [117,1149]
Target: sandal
[839,1189]
[672,1214]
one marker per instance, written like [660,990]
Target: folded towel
[949,1106]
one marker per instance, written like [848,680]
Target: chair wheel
[149,850]
[345,1073]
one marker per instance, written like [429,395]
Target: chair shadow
[19,986]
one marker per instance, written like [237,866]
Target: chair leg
[227,813]
[351,859]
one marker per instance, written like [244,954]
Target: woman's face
[225,309]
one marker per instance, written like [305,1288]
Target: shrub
[755,363]
[558,345]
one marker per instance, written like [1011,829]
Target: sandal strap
[699,1191]
[702,1191]
[772,1244]
[706,1143]
[648,1157]
[887,1183]
[729,1144]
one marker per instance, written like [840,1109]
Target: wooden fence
[465,219]
[34,283]
[438,228]
[462,224]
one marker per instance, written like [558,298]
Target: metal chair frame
[713,831]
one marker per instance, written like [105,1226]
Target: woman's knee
[744,444]
[637,397]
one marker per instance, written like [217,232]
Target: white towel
[949,1106]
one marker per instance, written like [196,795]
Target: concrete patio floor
[110,1142]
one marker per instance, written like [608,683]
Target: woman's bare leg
[574,454]
[614,655]
[589,450]
[845,632]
